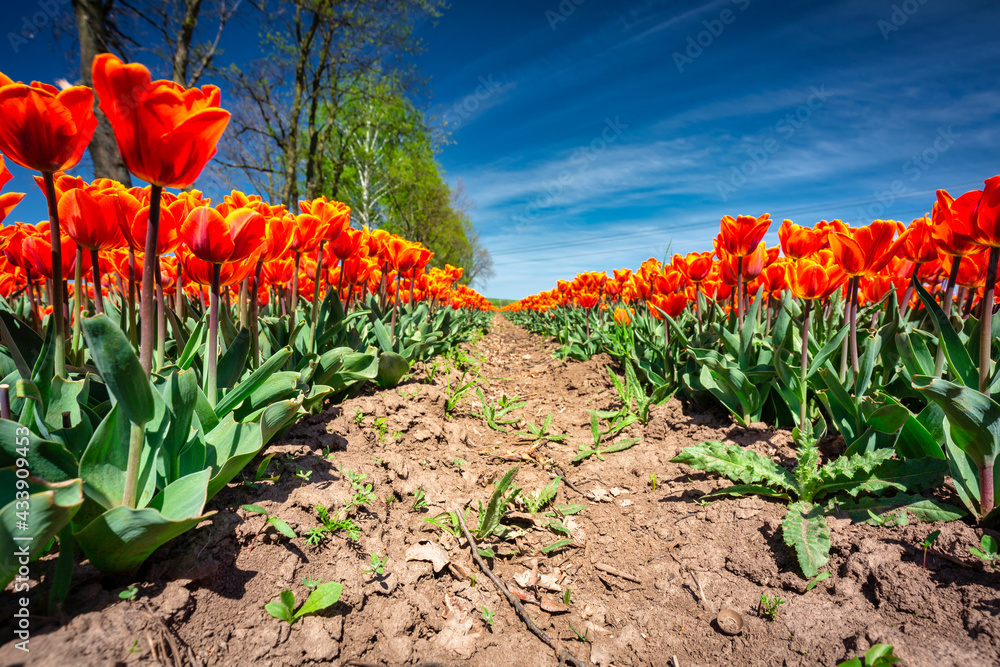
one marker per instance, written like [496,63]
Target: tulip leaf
[231,444]
[46,459]
[974,417]
[119,368]
[963,472]
[921,436]
[121,539]
[105,461]
[244,389]
[50,508]
[24,344]
[194,344]
[233,362]
[954,351]
[64,398]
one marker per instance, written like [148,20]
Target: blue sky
[592,135]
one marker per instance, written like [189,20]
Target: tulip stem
[244,292]
[137,434]
[946,302]
[986,330]
[854,324]
[847,344]
[254,309]
[149,270]
[57,277]
[77,297]
[294,305]
[131,297]
[395,306]
[986,489]
[804,365]
[316,299]
[161,319]
[213,335]
[739,291]
[904,307]
[95,266]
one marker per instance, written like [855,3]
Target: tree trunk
[91,24]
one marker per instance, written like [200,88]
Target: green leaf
[490,519]
[804,529]
[50,507]
[391,368]
[119,368]
[231,445]
[737,464]
[256,509]
[235,397]
[955,352]
[325,595]
[234,361]
[122,538]
[46,459]
[282,527]
[279,611]
[555,546]
[974,417]
[740,490]
[923,509]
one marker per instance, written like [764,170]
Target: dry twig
[565,657]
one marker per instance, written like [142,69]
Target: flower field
[231,432]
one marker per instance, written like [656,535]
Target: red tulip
[43,128]
[166,134]
[91,219]
[217,239]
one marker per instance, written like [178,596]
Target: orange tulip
[37,251]
[798,242]
[622,317]
[985,220]
[200,271]
[43,128]
[91,219]
[166,134]
[863,251]
[671,304]
[278,236]
[951,219]
[809,279]
[334,216]
[219,240]
[695,266]
[741,236]
[918,246]
[10,199]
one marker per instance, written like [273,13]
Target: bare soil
[675,564]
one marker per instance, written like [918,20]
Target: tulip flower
[43,128]
[863,251]
[798,242]
[621,317]
[985,230]
[739,238]
[47,130]
[8,200]
[219,241]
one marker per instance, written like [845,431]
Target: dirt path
[677,563]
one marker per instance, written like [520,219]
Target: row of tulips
[200,331]
[882,335]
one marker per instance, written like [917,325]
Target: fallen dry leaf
[431,552]
[552,604]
